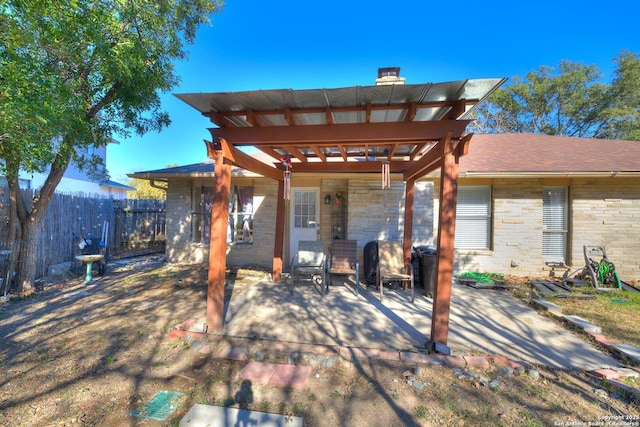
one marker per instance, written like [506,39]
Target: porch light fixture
[327,199]
[386,178]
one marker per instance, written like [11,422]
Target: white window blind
[473,217]
[554,223]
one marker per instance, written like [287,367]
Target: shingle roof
[114,184]
[204,170]
[507,153]
[533,153]
[196,168]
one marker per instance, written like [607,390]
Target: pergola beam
[270,151]
[295,153]
[346,167]
[413,107]
[371,133]
[242,160]
[427,163]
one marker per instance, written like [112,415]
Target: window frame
[555,254]
[240,221]
[466,218]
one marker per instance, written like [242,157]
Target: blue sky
[297,44]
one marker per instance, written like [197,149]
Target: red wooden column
[218,244]
[278,235]
[408,220]
[445,246]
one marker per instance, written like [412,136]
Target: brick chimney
[389,76]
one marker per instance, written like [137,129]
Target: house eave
[520,175]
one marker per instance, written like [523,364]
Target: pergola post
[408,220]
[445,245]
[278,234]
[218,244]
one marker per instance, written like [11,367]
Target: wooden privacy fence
[139,224]
[131,226]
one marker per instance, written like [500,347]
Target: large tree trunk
[27,258]
[31,220]
[14,237]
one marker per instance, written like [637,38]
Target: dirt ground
[89,355]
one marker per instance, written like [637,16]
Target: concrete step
[583,324]
[216,416]
[629,351]
[552,308]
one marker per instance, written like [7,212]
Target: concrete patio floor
[482,322]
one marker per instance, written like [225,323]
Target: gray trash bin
[427,255]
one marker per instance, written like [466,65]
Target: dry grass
[77,355]
[617,312]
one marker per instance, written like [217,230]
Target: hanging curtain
[245,198]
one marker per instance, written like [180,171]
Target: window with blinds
[555,221]
[473,217]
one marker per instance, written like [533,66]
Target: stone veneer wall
[260,253]
[179,193]
[607,212]
[180,248]
[516,231]
[331,187]
[602,212]
[376,214]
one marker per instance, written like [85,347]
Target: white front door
[305,216]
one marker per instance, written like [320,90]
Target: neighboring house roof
[527,153]
[187,171]
[196,170]
[522,154]
[117,185]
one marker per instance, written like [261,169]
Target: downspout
[152,182]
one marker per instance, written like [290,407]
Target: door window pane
[304,209]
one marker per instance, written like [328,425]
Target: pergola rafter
[415,128]
[455,110]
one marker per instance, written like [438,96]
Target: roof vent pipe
[389,76]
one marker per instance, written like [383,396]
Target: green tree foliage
[72,74]
[626,90]
[570,101]
[144,190]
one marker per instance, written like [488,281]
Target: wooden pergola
[414,129]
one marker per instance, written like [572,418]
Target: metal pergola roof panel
[473,91]
[312,125]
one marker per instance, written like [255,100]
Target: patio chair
[344,261]
[391,267]
[309,261]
